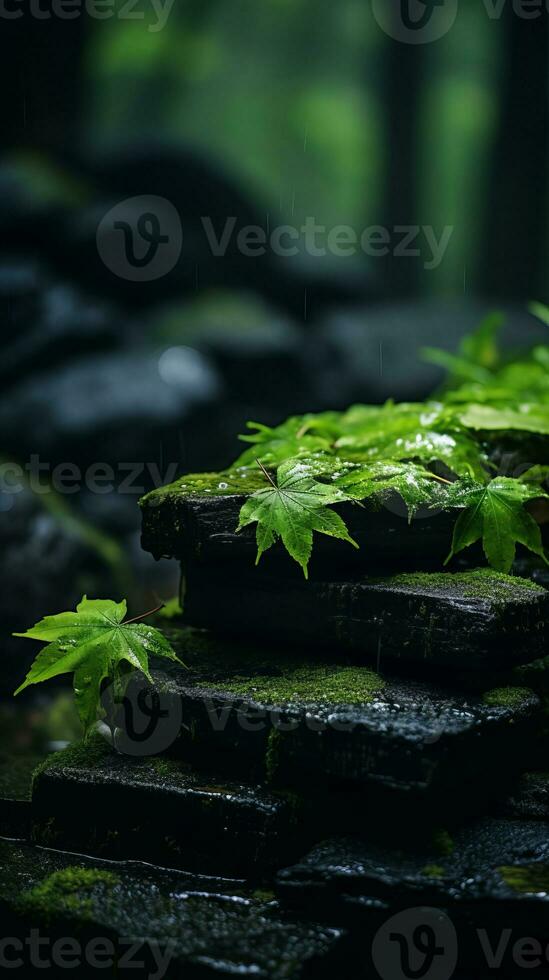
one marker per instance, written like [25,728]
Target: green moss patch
[532,878]
[309,685]
[237,481]
[507,697]
[480,583]
[73,891]
[82,755]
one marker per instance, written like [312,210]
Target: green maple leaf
[426,433]
[291,509]
[527,418]
[495,514]
[298,435]
[413,483]
[95,644]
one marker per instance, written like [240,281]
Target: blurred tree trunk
[42,67]
[516,203]
[404,67]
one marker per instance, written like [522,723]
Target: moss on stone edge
[238,481]
[507,697]
[529,878]
[81,755]
[308,685]
[67,892]
[479,583]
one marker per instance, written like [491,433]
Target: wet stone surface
[300,722]
[159,810]
[190,925]
[490,876]
[464,621]
[529,799]
[199,524]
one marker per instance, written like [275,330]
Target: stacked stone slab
[334,754]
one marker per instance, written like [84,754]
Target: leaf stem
[266,474]
[144,615]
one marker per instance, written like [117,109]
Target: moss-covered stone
[312,723]
[240,480]
[507,697]
[86,754]
[309,685]
[195,519]
[479,583]
[527,879]
[159,810]
[206,926]
[67,892]
[470,621]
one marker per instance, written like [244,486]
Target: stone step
[529,799]
[300,723]
[466,889]
[467,621]
[159,810]
[199,526]
[114,920]
[193,527]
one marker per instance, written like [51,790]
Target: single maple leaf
[495,514]
[291,508]
[94,643]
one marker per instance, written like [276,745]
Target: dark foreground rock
[464,621]
[305,724]
[468,889]
[160,811]
[129,920]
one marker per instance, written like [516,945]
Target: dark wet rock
[490,876]
[312,723]
[529,800]
[205,927]
[63,325]
[370,351]
[464,621]
[160,811]
[109,408]
[202,528]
